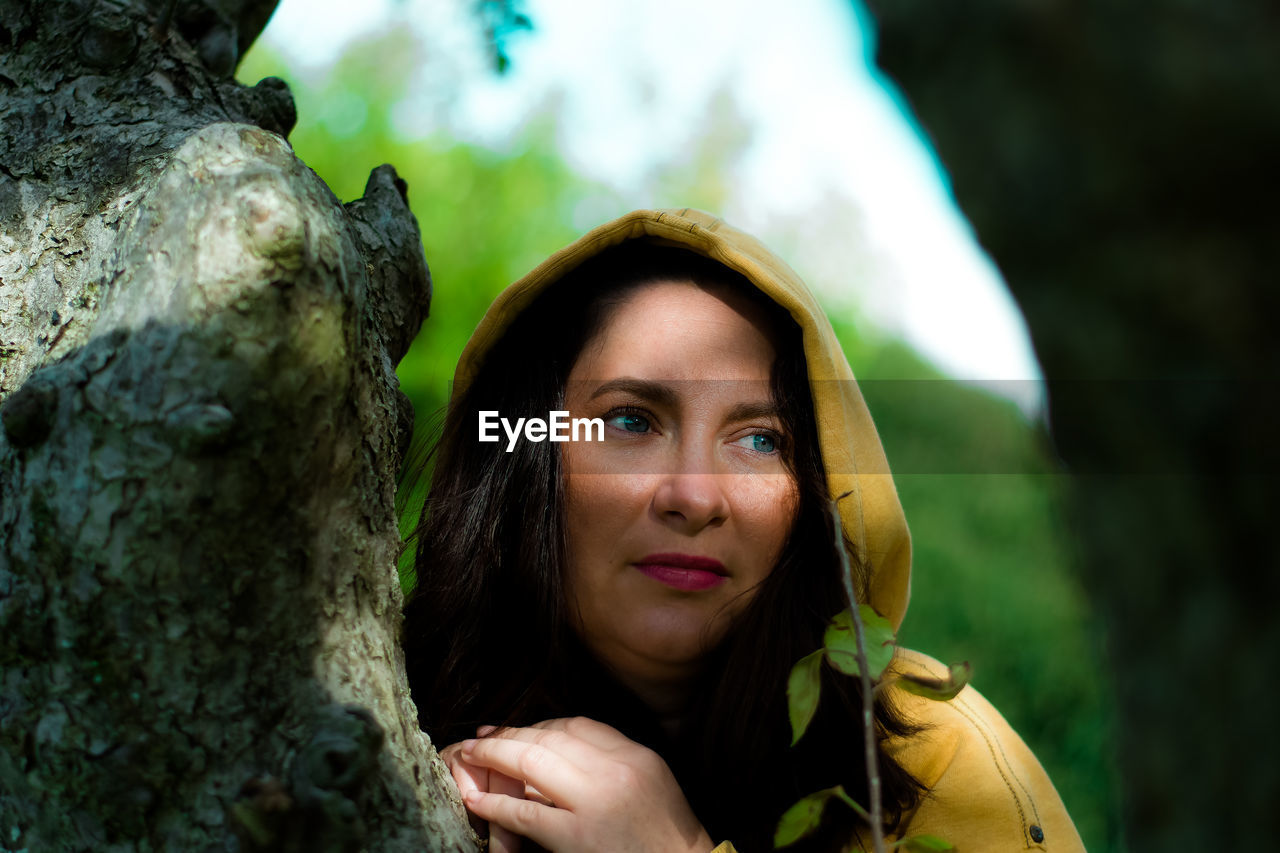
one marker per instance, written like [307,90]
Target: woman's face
[682,511]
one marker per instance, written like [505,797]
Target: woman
[628,609]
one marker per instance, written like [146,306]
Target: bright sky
[833,176]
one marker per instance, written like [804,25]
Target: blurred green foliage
[992,583]
[991,572]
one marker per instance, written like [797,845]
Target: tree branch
[870,742]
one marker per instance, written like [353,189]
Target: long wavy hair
[487,634]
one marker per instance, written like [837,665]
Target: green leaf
[803,688]
[940,689]
[851,803]
[921,844]
[841,642]
[803,817]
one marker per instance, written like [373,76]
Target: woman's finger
[594,732]
[472,777]
[551,773]
[532,793]
[468,777]
[546,825]
[501,839]
[582,754]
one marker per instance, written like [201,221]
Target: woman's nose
[691,502]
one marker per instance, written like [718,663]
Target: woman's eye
[630,422]
[761,442]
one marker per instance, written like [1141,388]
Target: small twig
[868,697]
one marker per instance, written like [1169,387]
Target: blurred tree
[501,20]
[198,603]
[699,172]
[1117,160]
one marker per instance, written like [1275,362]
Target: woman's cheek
[767,504]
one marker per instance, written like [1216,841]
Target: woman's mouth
[683,571]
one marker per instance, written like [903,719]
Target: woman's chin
[679,647]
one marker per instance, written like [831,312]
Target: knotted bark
[201,431]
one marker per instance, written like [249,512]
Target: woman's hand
[470,777]
[575,786]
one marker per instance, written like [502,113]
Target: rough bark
[1117,160]
[201,430]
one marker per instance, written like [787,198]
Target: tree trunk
[1118,161]
[201,429]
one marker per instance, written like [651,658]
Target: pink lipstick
[683,571]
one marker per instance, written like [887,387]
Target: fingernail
[485,731]
[468,745]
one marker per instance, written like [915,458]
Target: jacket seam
[1035,813]
[965,712]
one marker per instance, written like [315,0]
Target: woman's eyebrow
[663,394]
[752,411]
[645,389]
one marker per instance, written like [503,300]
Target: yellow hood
[851,451]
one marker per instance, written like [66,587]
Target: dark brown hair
[487,636]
